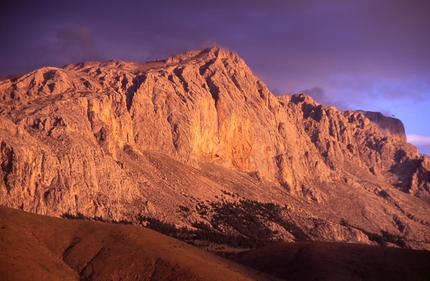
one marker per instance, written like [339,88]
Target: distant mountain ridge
[171,138]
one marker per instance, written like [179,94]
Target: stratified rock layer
[119,139]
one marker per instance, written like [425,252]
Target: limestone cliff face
[388,126]
[116,139]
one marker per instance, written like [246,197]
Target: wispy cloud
[418,140]
[77,40]
[76,44]
[319,95]
[421,142]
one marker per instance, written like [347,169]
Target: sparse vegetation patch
[382,239]
[250,219]
[243,224]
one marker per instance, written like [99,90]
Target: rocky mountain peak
[207,54]
[195,131]
[302,97]
[388,126]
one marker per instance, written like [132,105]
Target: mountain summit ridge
[118,140]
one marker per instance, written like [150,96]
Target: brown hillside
[35,247]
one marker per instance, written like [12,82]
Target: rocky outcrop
[388,126]
[119,139]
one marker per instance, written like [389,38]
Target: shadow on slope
[337,261]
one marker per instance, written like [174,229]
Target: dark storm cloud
[271,35]
[371,55]
[319,95]
[378,49]
[76,43]
[67,44]
[350,42]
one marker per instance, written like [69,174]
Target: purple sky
[364,54]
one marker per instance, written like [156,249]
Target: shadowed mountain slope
[338,261]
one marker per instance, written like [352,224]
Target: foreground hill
[197,140]
[35,247]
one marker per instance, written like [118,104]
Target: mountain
[198,141]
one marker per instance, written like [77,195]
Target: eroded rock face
[118,139]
